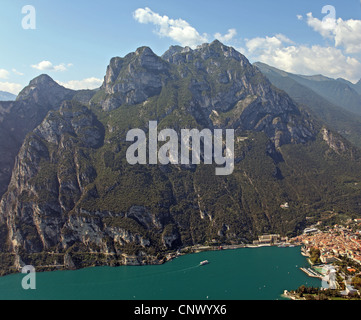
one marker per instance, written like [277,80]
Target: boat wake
[185,269]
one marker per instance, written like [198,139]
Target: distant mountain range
[340,91]
[71,198]
[6,96]
[334,102]
[356,87]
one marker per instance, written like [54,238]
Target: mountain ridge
[19,117]
[7,96]
[347,123]
[74,200]
[340,92]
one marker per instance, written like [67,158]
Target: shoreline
[219,263]
[202,248]
[288,295]
[291,296]
[167,258]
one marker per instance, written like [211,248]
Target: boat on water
[204,262]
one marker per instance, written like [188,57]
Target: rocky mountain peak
[216,49]
[24,115]
[134,78]
[149,60]
[216,78]
[144,51]
[207,51]
[41,82]
[43,79]
[171,51]
[44,89]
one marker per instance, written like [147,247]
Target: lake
[242,274]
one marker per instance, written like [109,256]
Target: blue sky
[75,39]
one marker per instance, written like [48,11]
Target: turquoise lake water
[242,274]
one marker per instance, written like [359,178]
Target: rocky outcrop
[222,80]
[133,79]
[51,174]
[43,90]
[48,177]
[334,142]
[20,117]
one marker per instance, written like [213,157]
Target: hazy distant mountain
[335,116]
[6,96]
[355,86]
[338,92]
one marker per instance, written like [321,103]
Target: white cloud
[348,35]
[324,27]
[259,45]
[89,83]
[4,74]
[177,29]
[299,17]
[345,33]
[13,88]
[280,52]
[17,72]
[48,66]
[227,37]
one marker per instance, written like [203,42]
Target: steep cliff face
[226,91]
[20,117]
[48,177]
[133,79]
[214,79]
[51,174]
[73,199]
[334,142]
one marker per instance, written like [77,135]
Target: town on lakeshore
[333,252]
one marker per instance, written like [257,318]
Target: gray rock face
[92,231]
[41,222]
[134,79]
[143,217]
[49,150]
[334,142]
[78,123]
[20,117]
[220,79]
[256,103]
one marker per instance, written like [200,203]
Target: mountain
[347,123]
[338,92]
[357,87]
[75,201]
[6,96]
[18,118]
[354,86]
